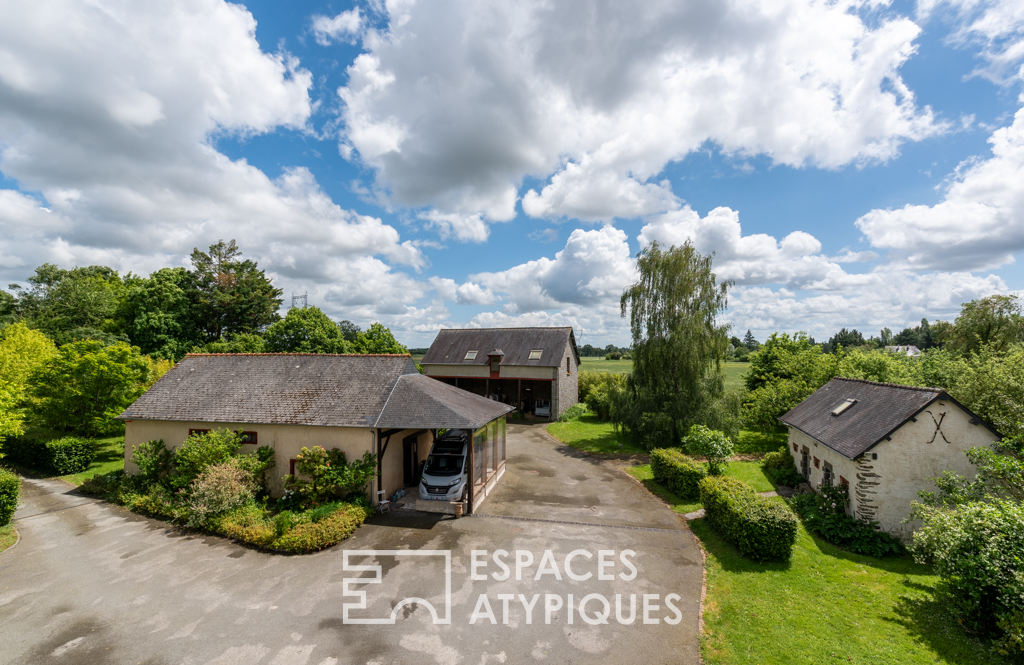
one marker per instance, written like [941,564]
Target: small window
[249,437]
[291,467]
[829,476]
[567,370]
[495,365]
[197,431]
[844,482]
[470,355]
[795,449]
[843,407]
[535,354]
[817,463]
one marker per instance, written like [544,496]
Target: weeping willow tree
[678,347]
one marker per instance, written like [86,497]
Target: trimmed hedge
[677,472]
[762,530]
[60,457]
[10,493]
[295,533]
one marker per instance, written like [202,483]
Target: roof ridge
[891,385]
[332,355]
[515,328]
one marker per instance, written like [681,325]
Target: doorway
[411,460]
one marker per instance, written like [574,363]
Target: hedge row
[677,472]
[762,530]
[10,493]
[304,532]
[57,456]
[781,468]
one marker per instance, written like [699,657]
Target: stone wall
[567,381]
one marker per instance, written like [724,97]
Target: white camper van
[445,473]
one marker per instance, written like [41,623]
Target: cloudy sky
[468,163]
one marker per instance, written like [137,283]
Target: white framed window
[535,354]
[470,355]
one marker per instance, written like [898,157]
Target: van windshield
[443,465]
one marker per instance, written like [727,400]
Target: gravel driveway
[93,583]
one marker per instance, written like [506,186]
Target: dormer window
[843,407]
[535,354]
[495,364]
[470,355]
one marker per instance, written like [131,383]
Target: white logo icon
[378,578]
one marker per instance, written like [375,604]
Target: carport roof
[308,389]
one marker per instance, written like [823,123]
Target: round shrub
[762,530]
[218,489]
[677,472]
[154,460]
[10,493]
[714,446]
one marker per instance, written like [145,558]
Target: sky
[853,164]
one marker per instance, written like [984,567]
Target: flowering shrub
[713,446]
[824,512]
[218,489]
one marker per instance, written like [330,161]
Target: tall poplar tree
[678,346]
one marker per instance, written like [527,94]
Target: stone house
[378,404]
[883,441]
[535,370]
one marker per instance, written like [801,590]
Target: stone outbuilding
[534,370]
[358,404]
[883,441]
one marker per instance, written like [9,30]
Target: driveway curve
[91,583]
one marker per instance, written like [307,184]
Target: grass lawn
[734,375]
[109,457]
[746,471]
[601,365]
[826,605]
[751,442]
[8,536]
[592,435]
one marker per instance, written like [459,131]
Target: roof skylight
[535,354]
[470,355]
[843,407]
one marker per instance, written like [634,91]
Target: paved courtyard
[93,583]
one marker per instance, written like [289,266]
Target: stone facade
[884,480]
[567,380]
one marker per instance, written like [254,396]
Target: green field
[602,365]
[734,375]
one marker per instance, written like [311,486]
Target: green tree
[22,351]
[306,330]
[750,342]
[678,346]
[73,304]
[231,295]
[846,339]
[87,385]
[994,322]
[240,343]
[158,313]
[378,339]
[715,447]
[349,331]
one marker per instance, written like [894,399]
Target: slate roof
[880,409]
[451,344]
[420,401]
[297,389]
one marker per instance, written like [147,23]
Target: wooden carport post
[469,478]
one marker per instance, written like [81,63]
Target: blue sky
[856,164]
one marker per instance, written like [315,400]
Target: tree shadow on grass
[925,616]
[750,441]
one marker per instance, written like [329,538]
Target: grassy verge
[593,436]
[826,605]
[8,536]
[746,471]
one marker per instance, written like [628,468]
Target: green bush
[781,468]
[762,529]
[977,550]
[677,472]
[293,532]
[10,493]
[600,390]
[573,413]
[154,460]
[69,455]
[330,476]
[313,536]
[824,513]
[218,489]
[202,450]
[55,456]
[715,447]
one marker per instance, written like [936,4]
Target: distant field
[418,357]
[602,365]
[734,375]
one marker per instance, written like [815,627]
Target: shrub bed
[677,472]
[762,530]
[60,457]
[207,484]
[10,493]
[825,514]
[781,468]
